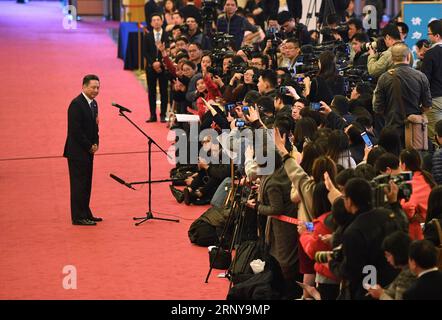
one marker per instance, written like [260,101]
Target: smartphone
[310,227]
[367,140]
[240,123]
[245,110]
[315,106]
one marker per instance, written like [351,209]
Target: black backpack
[203,231]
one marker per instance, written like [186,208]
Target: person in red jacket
[422,183]
[320,240]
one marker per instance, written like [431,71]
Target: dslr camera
[322,256]
[402,180]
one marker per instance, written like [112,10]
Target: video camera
[380,182]
[340,28]
[209,10]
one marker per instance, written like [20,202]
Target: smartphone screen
[310,227]
[240,123]
[367,140]
[315,106]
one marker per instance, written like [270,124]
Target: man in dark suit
[81,145]
[422,259]
[155,70]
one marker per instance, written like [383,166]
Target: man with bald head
[412,88]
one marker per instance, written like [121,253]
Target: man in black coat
[422,259]
[81,145]
[155,70]
[362,240]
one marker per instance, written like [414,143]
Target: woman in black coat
[327,83]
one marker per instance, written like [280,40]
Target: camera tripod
[149,215]
[236,219]
[329,8]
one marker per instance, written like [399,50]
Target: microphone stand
[149,215]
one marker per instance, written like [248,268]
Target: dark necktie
[94,109]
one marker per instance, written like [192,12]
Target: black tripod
[149,214]
[236,217]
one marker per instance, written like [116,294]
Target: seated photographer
[202,185]
[267,83]
[327,82]
[240,84]
[434,211]
[422,259]
[395,247]
[362,239]
[421,184]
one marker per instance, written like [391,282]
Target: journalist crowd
[352,122]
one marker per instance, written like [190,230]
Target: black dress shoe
[84,222]
[163,119]
[186,194]
[179,195]
[151,120]
[96,219]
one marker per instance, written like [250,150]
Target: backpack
[246,253]
[439,247]
[203,231]
[416,132]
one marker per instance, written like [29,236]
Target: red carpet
[42,66]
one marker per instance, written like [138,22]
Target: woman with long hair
[421,183]
[327,82]
[339,149]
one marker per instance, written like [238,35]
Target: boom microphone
[121,107]
[121,181]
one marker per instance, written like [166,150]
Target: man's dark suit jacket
[82,130]
[151,53]
[427,287]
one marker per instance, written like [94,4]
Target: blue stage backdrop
[417,15]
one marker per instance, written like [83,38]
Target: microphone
[121,181]
[121,107]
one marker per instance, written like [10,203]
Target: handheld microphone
[121,181]
[121,107]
